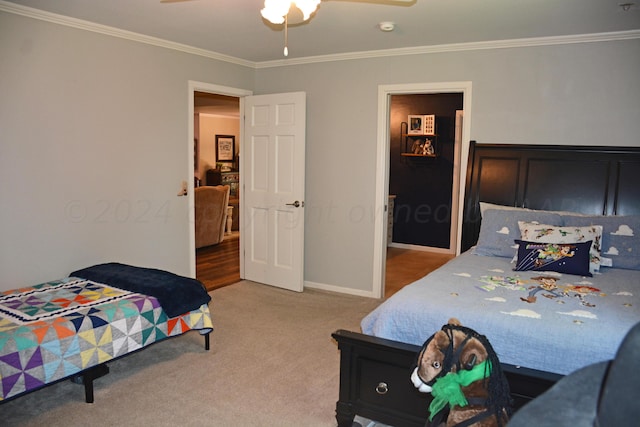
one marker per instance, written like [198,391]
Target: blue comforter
[177,294]
[559,328]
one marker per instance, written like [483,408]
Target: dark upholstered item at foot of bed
[608,391]
[177,294]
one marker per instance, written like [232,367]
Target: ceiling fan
[277,11]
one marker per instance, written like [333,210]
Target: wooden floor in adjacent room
[405,266]
[219,265]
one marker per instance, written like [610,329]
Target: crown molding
[117,32]
[417,50]
[457,47]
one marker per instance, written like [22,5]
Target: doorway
[267,238]
[421,185]
[458,154]
[219,106]
[421,164]
[218,115]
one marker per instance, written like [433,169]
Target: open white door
[273,156]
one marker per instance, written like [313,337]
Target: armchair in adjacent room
[210,214]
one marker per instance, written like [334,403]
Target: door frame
[193,87]
[382,164]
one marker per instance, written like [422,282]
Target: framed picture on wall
[225,148]
[430,124]
[416,125]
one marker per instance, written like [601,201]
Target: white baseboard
[339,289]
[421,248]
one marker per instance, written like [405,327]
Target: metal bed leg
[86,378]
[88,389]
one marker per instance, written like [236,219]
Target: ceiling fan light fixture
[307,7]
[274,11]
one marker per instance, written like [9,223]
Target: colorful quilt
[57,329]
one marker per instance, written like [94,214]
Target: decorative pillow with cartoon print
[569,258]
[543,233]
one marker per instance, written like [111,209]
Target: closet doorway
[421,185]
[421,170]
[421,194]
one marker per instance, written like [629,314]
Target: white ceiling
[235,27]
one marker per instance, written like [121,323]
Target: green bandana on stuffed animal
[460,369]
[447,390]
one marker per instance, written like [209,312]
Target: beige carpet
[272,363]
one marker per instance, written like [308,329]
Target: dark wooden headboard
[589,180]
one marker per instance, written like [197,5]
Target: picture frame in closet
[416,125]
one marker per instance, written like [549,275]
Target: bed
[70,328]
[565,301]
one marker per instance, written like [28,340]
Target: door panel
[274,194]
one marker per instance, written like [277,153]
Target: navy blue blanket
[176,294]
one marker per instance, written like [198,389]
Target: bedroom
[85,139]
[125,118]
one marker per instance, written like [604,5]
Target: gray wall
[94,130]
[561,94]
[93,149]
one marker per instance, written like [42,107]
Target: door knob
[296,204]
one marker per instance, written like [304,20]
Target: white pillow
[543,233]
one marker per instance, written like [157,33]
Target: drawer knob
[382,388]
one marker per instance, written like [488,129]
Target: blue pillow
[569,258]
[499,229]
[620,238]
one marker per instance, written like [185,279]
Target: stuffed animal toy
[461,370]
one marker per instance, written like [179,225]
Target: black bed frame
[375,373]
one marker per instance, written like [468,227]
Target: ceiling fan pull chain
[286,35]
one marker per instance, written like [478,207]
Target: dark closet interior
[422,186]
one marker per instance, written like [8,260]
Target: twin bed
[565,301]
[70,328]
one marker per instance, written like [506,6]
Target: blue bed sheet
[540,320]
